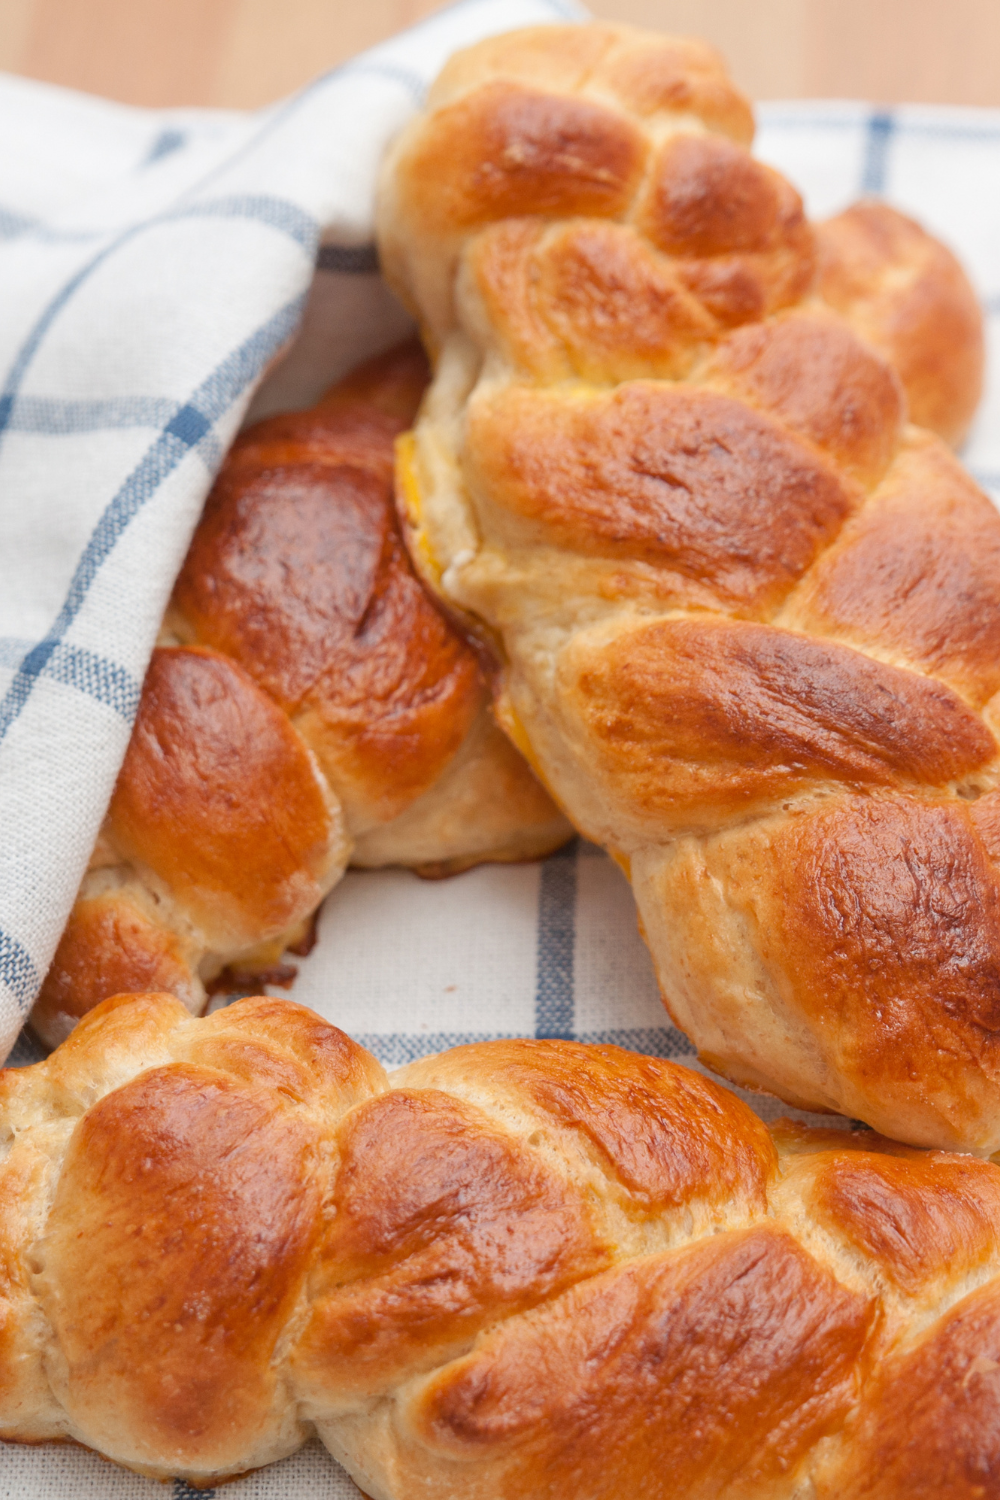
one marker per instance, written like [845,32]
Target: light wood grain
[947,51]
[247,52]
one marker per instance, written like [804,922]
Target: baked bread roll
[749,618]
[518,1270]
[310,707]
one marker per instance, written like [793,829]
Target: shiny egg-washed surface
[310,707]
[517,1270]
[749,614]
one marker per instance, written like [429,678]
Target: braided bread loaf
[749,619]
[312,708]
[515,1271]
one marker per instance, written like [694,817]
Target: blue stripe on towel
[654,1041]
[881,128]
[167,142]
[184,432]
[276,213]
[13,224]
[17,970]
[396,1048]
[554,1008]
[99,678]
[59,417]
[84,670]
[943,129]
[950,130]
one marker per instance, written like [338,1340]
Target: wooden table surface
[247,52]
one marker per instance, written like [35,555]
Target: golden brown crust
[661,1137]
[917,572]
[693,720]
[735,227]
[598,299]
[883,852]
[125,1033]
[930,1426]
[649,74]
[817,377]
[694,481]
[506,149]
[739,1353]
[922,1219]
[336,435]
[665,462]
[280,1045]
[710,197]
[908,296]
[440,1224]
[389,723]
[298,573]
[112,944]
[680,75]
[217,1234]
[587,298]
[218,797]
[877,921]
[168,1174]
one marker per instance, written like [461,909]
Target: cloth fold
[154,263]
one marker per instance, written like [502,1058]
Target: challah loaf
[515,1271]
[312,707]
[749,618]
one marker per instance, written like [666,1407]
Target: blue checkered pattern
[407,967]
[154,263]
